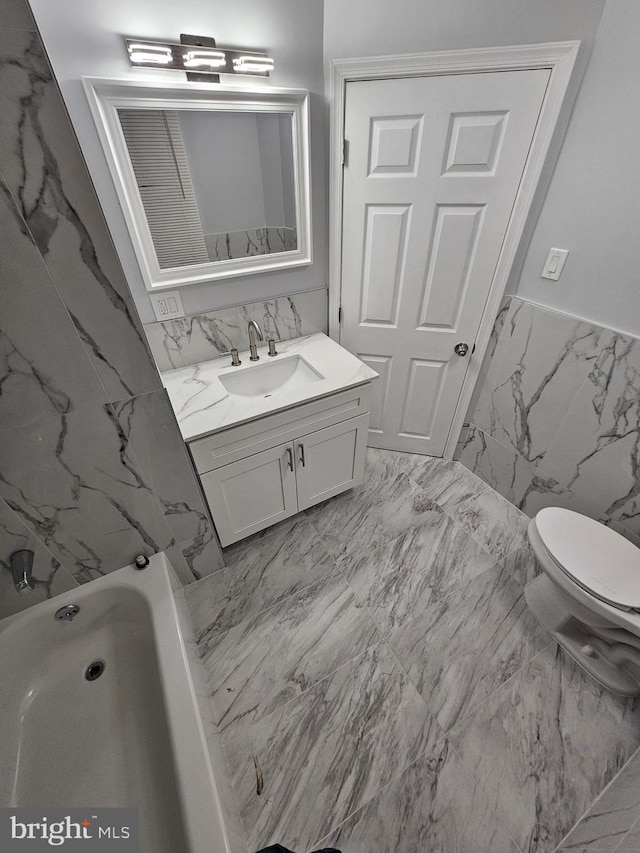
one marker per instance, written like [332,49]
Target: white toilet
[588,595]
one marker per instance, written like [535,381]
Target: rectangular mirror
[213,181]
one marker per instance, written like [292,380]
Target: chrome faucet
[22,571]
[254,329]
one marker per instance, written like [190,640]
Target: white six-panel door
[432,170]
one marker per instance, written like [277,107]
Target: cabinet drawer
[235,443]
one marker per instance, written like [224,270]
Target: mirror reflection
[215,185]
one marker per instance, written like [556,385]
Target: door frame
[560,59]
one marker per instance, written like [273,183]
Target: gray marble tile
[498,466]
[595,455]
[202,554]
[398,580]
[44,367]
[490,355]
[16,14]
[460,650]
[367,517]
[328,752]
[257,577]
[257,540]
[433,806]
[631,841]
[226,245]
[445,481]
[612,815]
[544,746]
[49,577]
[201,337]
[268,659]
[43,166]
[545,358]
[150,426]
[76,483]
[497,525]
[521,563]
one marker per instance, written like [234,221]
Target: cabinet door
[253,493]
[330,461]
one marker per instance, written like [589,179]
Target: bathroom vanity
[273,437]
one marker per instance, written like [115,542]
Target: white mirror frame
[107,96]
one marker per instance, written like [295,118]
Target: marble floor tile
[498,466]
[521,563]
[268,659]
[433,806]
[544,746]
[357,521]
[328,752]
[398,580]
[256,539]
[257,577]
[497,525]
[461,649]
[613,814]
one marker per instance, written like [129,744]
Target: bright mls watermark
[80,830]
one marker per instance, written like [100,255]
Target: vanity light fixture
[203,59]
[252,64]
[148,54]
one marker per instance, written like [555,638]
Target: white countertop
[202,405]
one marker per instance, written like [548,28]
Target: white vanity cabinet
[261,472]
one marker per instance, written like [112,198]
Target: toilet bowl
[588,595]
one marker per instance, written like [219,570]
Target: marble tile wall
[201,337]
[92,467]
[255,241]
[557,418]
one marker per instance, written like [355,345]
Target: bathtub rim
[200,801]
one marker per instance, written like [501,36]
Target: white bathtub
[132,737]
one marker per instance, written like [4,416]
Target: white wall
[378,27]
[84,37]
[593,204]
[223,151]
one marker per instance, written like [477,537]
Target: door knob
[461,349]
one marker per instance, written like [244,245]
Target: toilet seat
[597,558]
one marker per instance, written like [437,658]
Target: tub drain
[94,670]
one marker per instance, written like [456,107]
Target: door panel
[453,246]
[385,248]
[433,171]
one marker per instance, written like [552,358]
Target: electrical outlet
[167,305]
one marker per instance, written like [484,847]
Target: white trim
[105,96]
[559,57]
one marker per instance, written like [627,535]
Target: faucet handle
[235,360]
[22,570]
[272,347]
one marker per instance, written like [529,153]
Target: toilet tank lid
[597,557]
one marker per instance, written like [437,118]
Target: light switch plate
[556,259]
[167,305]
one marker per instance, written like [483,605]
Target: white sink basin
[262,380]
